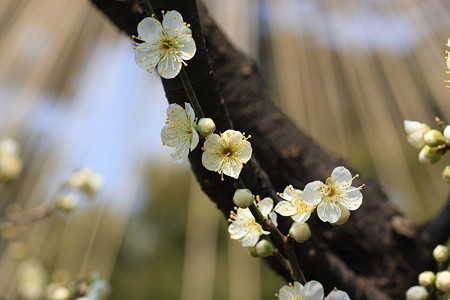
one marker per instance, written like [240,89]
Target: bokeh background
[347,72]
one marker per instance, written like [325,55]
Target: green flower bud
[66,203]
[252,251]
[264,248]
[206,126]
[243,198]
[345,215]
[427,279]
[434,138]
[443,281]
[440,253]
[300,232]
[417,292]
[429,155]
[446,174]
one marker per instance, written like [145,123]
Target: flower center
[330,189]
[167,44]
[227,152]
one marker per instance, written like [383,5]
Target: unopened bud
[440,253]
[300,232]
[429,155]
[61,293]
[10,166]
[345,215]
[206,126]
[417,292]
[434,138]
[443,281]
[415,132]
[243,198]
[264,248]
[427,279]
[66,203]
[446,174]
[252,251]
[447,134]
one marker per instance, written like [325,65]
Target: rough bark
[378,253]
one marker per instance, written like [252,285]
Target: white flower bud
[345,215]
[440,253]
[206,126]
[429,155]
[10,166]
[243,198]
[447,133]
[417,292]
[414,133]
[300,232]
[427,279]
[9,145]
[66,203]
[264,248]
[443,281]
[61,293]
[434,138]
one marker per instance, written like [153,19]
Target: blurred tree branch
[378,253]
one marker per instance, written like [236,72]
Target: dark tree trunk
[378,254]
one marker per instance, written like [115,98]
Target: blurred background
[347,72]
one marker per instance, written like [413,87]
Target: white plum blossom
[226,153]
[335,193]
[415,132]
[294,206]
[243,226]
[312,290]
[167,45]
[179,131]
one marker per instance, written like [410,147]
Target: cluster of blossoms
[10,162]
[83,182]
[225,153]
[431,285]
[312,290]
[432,143]
[167,46]
[333,200]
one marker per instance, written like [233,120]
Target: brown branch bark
[378,253]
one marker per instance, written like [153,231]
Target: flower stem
[191,94]
[148,8]
[290,253]
[239,183]
[257,214]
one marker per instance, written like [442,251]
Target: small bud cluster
[433,143]
[433,285]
